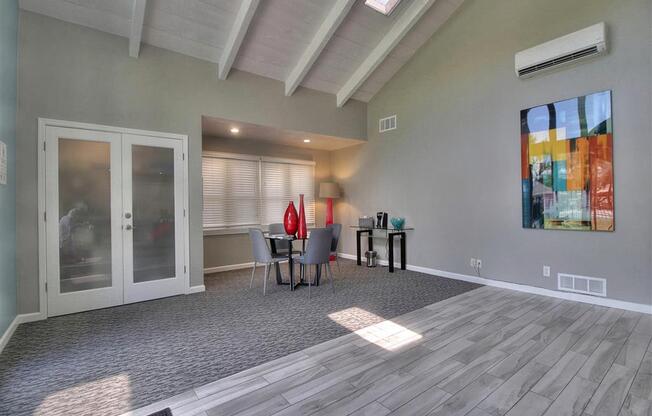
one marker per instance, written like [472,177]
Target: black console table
[391,234]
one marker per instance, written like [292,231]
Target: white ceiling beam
[400,28]
[136,33]
[238,32]
[326,30]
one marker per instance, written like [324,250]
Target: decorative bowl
[398,222]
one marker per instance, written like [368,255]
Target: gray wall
[222,250]
[453,166]
[8,57]
[74,73]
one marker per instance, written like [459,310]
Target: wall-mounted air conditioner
[580,45]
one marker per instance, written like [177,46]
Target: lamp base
[329,211]
[329,217]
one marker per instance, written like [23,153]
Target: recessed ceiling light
[235,130]
[383,6]
[306,140]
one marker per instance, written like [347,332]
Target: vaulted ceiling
[340,47]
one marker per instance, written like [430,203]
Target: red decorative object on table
[291,219]
[302,232]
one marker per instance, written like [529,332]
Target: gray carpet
[110,361]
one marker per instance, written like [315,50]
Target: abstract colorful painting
[567,164]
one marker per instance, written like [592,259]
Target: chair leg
[267,267]
[309,280]
[337,260]
[253,272]
[330,274]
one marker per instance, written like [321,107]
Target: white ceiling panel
[278,35]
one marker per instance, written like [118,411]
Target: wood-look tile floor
[486,352]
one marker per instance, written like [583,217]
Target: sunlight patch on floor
[118,385]
[384,333]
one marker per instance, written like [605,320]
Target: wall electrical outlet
[478,263]
[546,271]
[473,262]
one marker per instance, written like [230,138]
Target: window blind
[242,190]
[284,182]
[231,192]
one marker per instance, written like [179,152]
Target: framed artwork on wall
[567,164]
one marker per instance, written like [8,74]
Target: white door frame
[42,229]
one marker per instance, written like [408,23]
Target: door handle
[129,227]
[127,215]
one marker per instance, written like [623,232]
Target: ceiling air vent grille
[582,284]
[387,123]
[585,53]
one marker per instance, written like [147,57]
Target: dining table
[291,239]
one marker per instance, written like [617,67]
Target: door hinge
[46,287]
[184,212]
[183,156]
[184,269]
[44,146]
[45,216]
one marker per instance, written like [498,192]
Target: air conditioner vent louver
[585,53]
[574,47]
[581,284]
[387,123]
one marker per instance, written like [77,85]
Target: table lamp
[329,190]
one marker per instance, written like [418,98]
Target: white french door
[114,219]
[152,172]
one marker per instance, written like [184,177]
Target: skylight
[383,6]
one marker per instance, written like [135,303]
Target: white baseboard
[209,270]
[197,289]
[594,300]
[4,340]
[19,319]
[30,317]
[381,262]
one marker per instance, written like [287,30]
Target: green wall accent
[8,57]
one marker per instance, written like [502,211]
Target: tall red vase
[302,232]
[291,219]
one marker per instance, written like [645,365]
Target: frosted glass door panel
[153,213]
[84,215]
[83,226]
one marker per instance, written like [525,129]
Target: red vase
[302,232]
[291,219]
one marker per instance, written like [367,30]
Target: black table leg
[370,240]
[390,237]
[403,254]
[290,266]
[358,247]
[370,243]
[317,274]
[279,278]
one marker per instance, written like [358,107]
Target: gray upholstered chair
[262,255]
[318,253]
[336,229]
[282,246]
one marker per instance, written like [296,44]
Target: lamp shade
[329,190]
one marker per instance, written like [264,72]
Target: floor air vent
[582,284]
